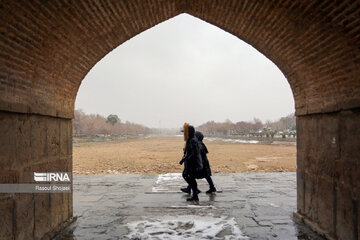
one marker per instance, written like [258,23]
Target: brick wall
[328,172]
[47,47]
[33,143]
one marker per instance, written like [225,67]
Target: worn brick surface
[325,204]
[300,180]
[329,171]
[53,139]
[311,201]
[43,217]
[349,164]
[65,212]
[57,209]
[344,213]
[39,138]
[37,167]
[7,218]
[358,218]
[23,142]
[319,147]
[7,141]
[34,143]
[64,138]
[25,216]
[10,176]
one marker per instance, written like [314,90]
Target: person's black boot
[211,190]
[198,191]
[194,197]
[186,190]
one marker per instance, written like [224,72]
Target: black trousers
[208,179]
[210,182]
[190,179]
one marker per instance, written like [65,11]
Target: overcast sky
[185,70]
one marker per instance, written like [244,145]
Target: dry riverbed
[162,155]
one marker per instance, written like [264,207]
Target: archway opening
[183,70]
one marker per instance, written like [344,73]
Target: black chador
[192,160]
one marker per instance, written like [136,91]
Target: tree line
[95,124]
[283,126]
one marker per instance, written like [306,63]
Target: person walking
[206,165]
[206,172]
[192,161]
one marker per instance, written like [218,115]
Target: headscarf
[199,136]
[191,132]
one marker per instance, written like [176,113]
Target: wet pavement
[247,206]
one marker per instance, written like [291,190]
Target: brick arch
[51,46]
[47,47]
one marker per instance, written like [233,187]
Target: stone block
[349,165]
[328,145]
[24,216]
[23,141]
[57,209]
[328,152]
[53,138]
[10,176]
[7,141]
[39,138]
[300,182]
[60,208]
[306,136]
[65,210]
[325,204]
[38,167]
[7,218]
[27,176]
[300,142]
[311,189]
[70,202]
[358,218]
[322,144]
[344,213]
[70,141]
[43,216]
[64,138]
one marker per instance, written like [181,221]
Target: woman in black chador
[206,172]
[192,160]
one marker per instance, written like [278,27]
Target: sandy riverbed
[162,155]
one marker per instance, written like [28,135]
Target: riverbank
[157,155]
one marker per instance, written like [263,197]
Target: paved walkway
[248,206]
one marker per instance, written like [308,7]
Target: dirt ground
[157,155]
